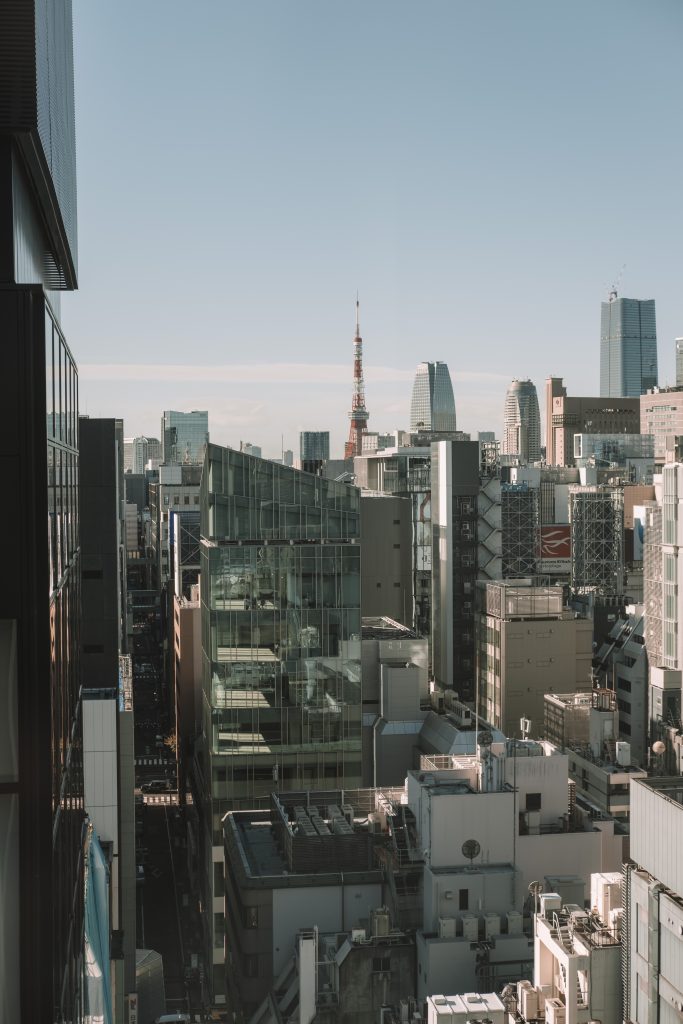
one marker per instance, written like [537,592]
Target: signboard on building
[555,549]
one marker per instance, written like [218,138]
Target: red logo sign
[555,542]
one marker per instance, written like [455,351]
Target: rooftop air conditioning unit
[555,1011]
[470,927]
[514,919]
[380,922]
[528,1003]
[491,925]
[446,927]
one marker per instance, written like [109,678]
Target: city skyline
[458,254]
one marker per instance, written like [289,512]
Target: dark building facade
[41,789]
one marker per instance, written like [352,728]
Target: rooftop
[381,627]
[669,788]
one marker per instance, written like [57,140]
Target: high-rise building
[567,415]
[138,451]
[251,449]
[280,607]
[43,843]
[432,406]
[628,347]
[314,449]
[184,436]
[661,414]
[679,362]
[522,422]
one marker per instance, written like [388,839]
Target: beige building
[567,415]
[528,644]
[661,414]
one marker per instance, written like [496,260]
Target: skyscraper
[628,347]
[522,422]
[184,436]
[43,840]
[432,406]
[679,362]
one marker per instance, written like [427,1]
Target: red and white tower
[359,414]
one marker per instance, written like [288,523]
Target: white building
[653,901]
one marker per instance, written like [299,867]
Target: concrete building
[455,489]
[653,904]
[176,490]
[621,664]
[386,534]
[394,663]
[628,347]
[567,415]
[406,472]
[527,642]
[661,414]
[522,423]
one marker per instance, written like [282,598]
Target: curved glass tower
[522,422]
[432,406]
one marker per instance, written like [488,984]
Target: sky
[480,172]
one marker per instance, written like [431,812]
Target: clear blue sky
[479,170]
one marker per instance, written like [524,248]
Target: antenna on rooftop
[614,290]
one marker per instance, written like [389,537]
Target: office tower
[652,925]
[454,493]
[661,414]
[359,414]
[679,362]
[314,450]
[628,347]
[184,437]
[522,422]
[280,607]
[43,840]
[138,451]
[567,415]
[432,406]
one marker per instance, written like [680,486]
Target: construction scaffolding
[489,539]
[520,529]
[596,517]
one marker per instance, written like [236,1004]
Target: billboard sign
[555,549]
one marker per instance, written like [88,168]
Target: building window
[533,801]
[381,964]
[463,899]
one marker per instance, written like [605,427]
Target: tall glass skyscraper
[432,406]
[628,347]
[522,422]
[184,436]
[42,836]
[280,609]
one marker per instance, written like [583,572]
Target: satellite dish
[471,849]
[485,738]
[658,747]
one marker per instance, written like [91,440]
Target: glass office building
[522,422]
[432,406]
[280,592]
[628,347]
[184,436]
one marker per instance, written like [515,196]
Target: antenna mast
[359,414]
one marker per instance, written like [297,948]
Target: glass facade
[628,348]
[432,406]
[280,592]
[522,422]
[184,436]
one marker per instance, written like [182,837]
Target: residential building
[280,599]
[406,472]
[567,415]
[628,347]
[314,450]
[44,842]
[432,405]
[661,414]
[455,489]
[653,904]
[386,533]
[526,639]
[522,422]
[184,437]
